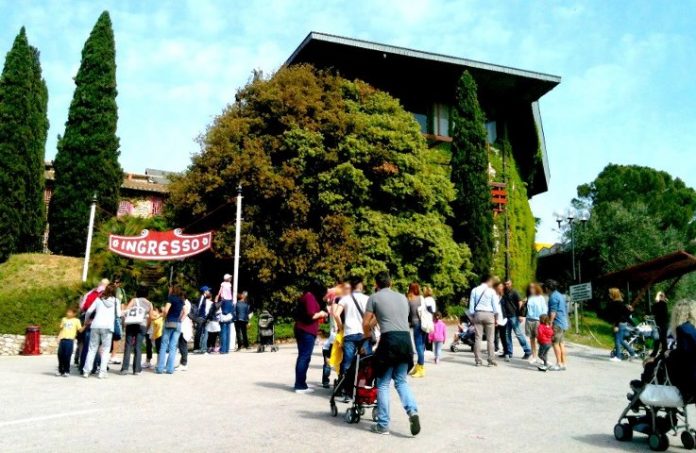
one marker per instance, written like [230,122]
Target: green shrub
[36,306]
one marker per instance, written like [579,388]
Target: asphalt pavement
[244,402]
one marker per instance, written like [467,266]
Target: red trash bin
[32,341]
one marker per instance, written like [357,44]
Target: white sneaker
[58,374]
[182,367]
[146,365]
[102,375]
[533,360]
[615,359]
[307,390]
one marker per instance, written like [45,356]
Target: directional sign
[581,292]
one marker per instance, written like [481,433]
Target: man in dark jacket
[510,303]
[394,356]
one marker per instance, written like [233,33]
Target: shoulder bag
[661,395]
[117,323]
[426,318]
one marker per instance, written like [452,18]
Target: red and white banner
[160,245]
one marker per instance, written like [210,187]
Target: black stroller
[466,335]
[653,418]
[266,332]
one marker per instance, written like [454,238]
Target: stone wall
[14,344]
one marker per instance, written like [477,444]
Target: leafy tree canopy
[336,182]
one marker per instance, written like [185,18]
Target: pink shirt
[226,290]
[439,333]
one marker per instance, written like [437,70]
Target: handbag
[117,324]
[426,318]
[661,395]
[135,315]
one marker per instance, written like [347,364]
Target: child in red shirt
[544,337]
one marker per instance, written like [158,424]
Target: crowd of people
[397,328]
[106,316]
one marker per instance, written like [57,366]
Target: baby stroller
[637,337]
[657,408]
[466,334]
[266,332]
[362,374]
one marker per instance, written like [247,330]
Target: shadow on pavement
[604,441]
[364,424]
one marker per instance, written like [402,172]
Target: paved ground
[244,402]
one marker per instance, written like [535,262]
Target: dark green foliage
[521,221]
[473,215]
[336,181]
[637,214]
[87,158]
[23,128]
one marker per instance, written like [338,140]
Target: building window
[491,132]
[422,120]
[441,120]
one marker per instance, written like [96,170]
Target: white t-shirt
[353,323]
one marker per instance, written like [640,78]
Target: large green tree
[473,215]
[87,158]
[336,181]
[23,129]
[636,214]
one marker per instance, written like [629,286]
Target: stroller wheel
[658,442]
[334,410]
[362,411]
[259,349]
[374,414]
[453,348]
[623,432]
[688,440]
[352,416]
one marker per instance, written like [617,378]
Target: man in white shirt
[352,306]
[484,310]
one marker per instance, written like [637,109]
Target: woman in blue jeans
[174,313]
[307,316]
[620,315]
[419,337]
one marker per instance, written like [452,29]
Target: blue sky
[627,94]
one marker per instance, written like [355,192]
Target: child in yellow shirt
[69,326]
[154,334]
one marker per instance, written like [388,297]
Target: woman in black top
[620,315]
[661,313]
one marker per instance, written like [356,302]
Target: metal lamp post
[571,220]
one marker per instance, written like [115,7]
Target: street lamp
[571,219]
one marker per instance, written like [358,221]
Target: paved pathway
[244,402]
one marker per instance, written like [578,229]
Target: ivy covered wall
[520,218]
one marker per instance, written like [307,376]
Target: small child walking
[438,335]
[154,335]
[69,327]
[544,337]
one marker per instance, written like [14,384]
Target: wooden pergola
[644,275]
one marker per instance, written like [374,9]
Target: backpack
[136,314]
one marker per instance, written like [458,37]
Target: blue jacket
[242,311]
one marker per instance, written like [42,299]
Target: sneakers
[543,368]
[146,365]
[114,362]
[526,356]
[492,363]
[123,372]
[479,363]
[304,391]
[507,358]
[414,422]
[533,360]
[102,375]
[85,375]
[377,429]
[182,367]
[58,374]
[66,374]
[615,359]
[554,368]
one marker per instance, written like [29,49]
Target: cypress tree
[87,158]
[23,128]
[34,213]
[473,215]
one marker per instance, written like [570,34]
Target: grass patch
[594,331]
[37,289]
